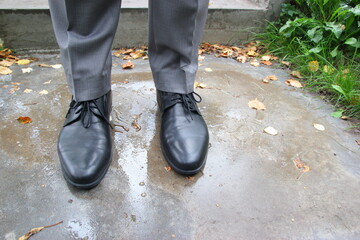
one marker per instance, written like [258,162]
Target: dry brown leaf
[301,166]
[256,104]
[241,59]
[296,74]
[6,63]
[36,230]
[128,65]
[24,120]
[255,63]
[190,178]
[168,168]
[44,65]
[294,83]
[14,89]
[271,77]
[127,57]
[199,85]
[136,55]
[268,63]
[271,131]
[5,70]
[145,57]
[319,127]
[23,61]
[313,66]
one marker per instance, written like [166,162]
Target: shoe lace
[189,102]
[86,109]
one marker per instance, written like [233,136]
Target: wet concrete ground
[248,189]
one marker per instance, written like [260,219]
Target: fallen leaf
[43,92]
[200,58]
[24,120]
[6,63]
[357,141]
[28,90]
[343,117]
[296,74]
[48,82]
[168,168]
[252,53]
[27,70]
[319,126]
[313,66]
[208,70]
[5,70]
[286,63]
[255,63]
[293,83]
[268,63]
[23,61]
[271,131]
[128,65]
[256,104]
[145,57]
[56,66]
[266,58]
[44,65]
[190,178]
[199,85]
[302,166]
[241,59]
[14,89]
[271,77]
[36,230]
[135,124]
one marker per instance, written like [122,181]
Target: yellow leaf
[256,104]
[208,70]
[5,70]
[23,62]
[199,85]
[313,66]
[27,90]
[43,92]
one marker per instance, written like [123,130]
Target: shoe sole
[88,185]
[182,171]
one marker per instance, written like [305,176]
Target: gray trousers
[85,30]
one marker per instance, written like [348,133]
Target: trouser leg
[175,31]
[85,31]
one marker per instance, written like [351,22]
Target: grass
[321,38]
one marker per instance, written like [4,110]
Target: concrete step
[26,24]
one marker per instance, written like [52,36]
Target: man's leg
[174,35]
[85,30]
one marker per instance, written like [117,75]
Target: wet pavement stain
[248,189]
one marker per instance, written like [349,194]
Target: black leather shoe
[184,135]
[85,143]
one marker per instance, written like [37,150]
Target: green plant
[326,32]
